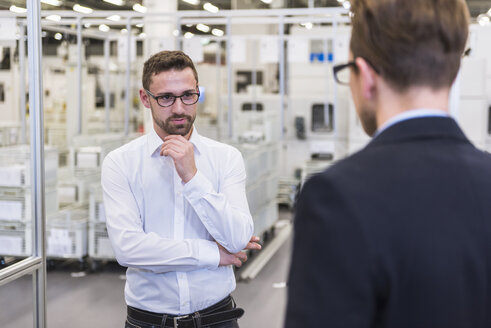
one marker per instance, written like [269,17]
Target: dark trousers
[137,318]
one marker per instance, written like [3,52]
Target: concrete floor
[79,300]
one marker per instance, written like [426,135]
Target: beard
[169,127]
[368,121]
[181,129]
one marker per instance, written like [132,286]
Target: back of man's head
[411,42]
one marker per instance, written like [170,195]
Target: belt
[223,311]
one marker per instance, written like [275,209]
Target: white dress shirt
[164,231]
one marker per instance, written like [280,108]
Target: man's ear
[367,78]
[144,98]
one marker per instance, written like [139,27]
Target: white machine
[471,95]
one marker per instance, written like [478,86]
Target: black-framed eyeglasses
[167,100]
[341,74]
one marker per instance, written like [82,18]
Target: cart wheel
[94,265]
[2,262]
[82,265]
[50,264]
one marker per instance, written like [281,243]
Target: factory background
[266,84]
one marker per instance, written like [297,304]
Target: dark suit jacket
[397,235]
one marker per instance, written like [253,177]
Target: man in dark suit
[399,234]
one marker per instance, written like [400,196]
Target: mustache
[173,117]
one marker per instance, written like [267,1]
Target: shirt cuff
[209,256]
[197,187]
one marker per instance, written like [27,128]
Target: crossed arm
[182,153]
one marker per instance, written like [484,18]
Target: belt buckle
[176,325]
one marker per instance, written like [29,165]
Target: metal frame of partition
[36,264]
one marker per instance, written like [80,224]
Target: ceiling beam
[476,7]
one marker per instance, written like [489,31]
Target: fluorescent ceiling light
[87,25]
[188,35]
[192,2]
[211,8]
[142,35]
[56,3]
[104,28]
[115,2]
[114,18]
[307,25]
[17,10]
[54,18]
[267,1]
[124,31]
[82,9]
[113,67]
[203,28]
[483,20]
[217,32]
[139,25]
[58,36]
[139,8]
[346,4]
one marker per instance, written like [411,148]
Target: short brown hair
[411,42]
[165,61]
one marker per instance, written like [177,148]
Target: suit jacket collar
[420,128]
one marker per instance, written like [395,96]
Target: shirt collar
[196,140]
[155,142]
[409,114]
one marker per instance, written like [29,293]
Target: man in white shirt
[176,209]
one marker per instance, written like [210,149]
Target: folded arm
[134,247]
[224,213]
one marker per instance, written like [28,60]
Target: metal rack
[16,197]
[261,160]
[287,190]
[96,204]
[66,233]
[15,238]
[15,203]
[313,167]
[15,166]
[74,189]
[88,151]
[99,245]
[9,134]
